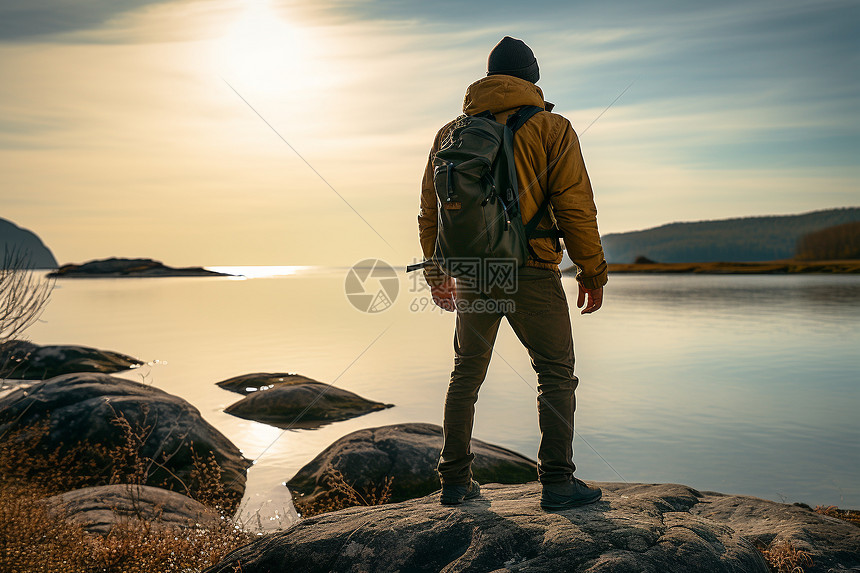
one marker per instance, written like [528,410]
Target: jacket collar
[500,93]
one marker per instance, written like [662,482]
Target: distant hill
[738,240]
[13,237]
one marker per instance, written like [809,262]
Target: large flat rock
[635,528]
[408,453]
[83,408]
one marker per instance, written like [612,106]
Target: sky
[280,132]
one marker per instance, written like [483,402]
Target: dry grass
[783,557]
[343,495]
[849,515]
[25,456]
[34,538]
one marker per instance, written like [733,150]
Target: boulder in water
[23,360]
[408,454]
[247,383]
[303,405]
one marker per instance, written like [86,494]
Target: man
[548,163]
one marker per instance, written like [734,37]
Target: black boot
[456,494]
[565,495]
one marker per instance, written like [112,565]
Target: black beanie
[512,57]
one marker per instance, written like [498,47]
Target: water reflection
[837,293]
[746,384]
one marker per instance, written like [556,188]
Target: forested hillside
[743,239]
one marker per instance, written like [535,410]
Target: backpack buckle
[449,181]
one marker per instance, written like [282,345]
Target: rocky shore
[665,528]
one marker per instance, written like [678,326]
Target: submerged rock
[116,267]
[408,453]
[22,360]
[248,383]
[300,404]
[99,508]
[664,528]
[84,409]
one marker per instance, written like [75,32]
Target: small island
[119,268]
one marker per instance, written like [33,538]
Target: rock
[505,530]
[99,508]
[130,268]
[831,545]
[248,383]
[303,405]
[22,360]
[643,260]
[406,452]
[634,528]
[82,409]
[14,239]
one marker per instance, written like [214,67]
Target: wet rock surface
[22,360]
[248,383]
[663,528]
[408,453]
[84,408]
[303,405]
[99,508]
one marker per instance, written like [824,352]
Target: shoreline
[744,268]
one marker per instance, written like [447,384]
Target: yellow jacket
[548,160]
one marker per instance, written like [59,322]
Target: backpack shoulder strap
[516,121]
[522,115]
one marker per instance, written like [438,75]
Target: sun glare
[262,51]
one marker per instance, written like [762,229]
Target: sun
[262,51]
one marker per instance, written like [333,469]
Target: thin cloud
[28,20]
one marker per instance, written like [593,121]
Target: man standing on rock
[548,164]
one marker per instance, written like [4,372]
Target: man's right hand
[594,298]
[444,295]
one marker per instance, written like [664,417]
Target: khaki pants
[541,320]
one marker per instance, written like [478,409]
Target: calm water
[741,384]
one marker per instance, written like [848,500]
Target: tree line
[839,242]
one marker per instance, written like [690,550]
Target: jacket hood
[499,93]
